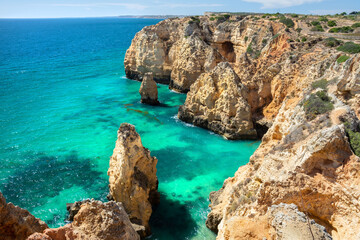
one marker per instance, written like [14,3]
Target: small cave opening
[227,50]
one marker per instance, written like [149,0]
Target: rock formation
[218,101]
[132,176]
[95,220]
[74,208]
[17,223]
[295,91]
[148,90]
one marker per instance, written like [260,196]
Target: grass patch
[318,103]
[349,47]
[320,84]
[342,59]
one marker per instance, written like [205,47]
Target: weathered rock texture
[265,83]
[132,176]
[17,223]
[74,208]
[148,90]
[218,101]
[96,221]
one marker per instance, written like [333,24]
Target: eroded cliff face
[218,101]
[301,161]
[132,176]
[256,76]
[17,223]
[95,220]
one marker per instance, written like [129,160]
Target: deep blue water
[63,96]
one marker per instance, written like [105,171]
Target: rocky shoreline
[249,78]
[245,78]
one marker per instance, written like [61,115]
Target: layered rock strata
[148,90]
[132,176]
[95,220]
[218,101]
[17,223]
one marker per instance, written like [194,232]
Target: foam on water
[63,96]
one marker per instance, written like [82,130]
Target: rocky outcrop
[148,90]
[74,208]
[95,220]
[132,176]
[218,101]
[17,223]
[306,163]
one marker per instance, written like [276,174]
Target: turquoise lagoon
[63,96]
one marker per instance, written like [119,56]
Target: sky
[98,8]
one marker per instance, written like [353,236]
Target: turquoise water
[63,96]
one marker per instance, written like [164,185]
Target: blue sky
[97,8]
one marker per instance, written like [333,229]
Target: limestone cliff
[17,223]
[218,101]
[132,176]
[95,220]
[263,76]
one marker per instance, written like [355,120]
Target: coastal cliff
[247,77]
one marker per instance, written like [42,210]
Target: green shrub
[317,28]
[299,30]
[331,23]
[212,19]
[273,19]
[226,16]
[287,22]
[323,19]
[264,41]
[342,59]
[346,29]
[316,104]
[354,138]
[303,39]
[294,15]
[246,38]
[315,23]
[320,84]
[349,47]
[275,36]
[355,25]
[332,42]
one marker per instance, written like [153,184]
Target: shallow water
[63,96]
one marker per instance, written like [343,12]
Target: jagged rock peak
[132,176]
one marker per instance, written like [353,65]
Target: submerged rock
[148,90]
[95,220]
[17,223]
[132,176]
[218,101]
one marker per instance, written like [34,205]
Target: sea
[63,96]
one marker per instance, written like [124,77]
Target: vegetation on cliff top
[354,138]
[349,47]
[342,59]
[318,103]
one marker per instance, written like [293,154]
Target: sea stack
[148,90]
[132,177]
